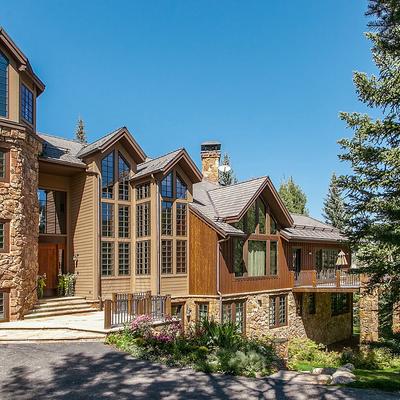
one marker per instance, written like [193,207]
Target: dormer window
[3,85]
[26,104]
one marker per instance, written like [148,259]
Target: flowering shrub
[141,326]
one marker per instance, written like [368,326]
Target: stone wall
[19,205]
[210,164]
[369,313]
[320,327]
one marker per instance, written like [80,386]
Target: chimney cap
[211,145]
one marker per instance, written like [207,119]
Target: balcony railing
[327,278]
[124,307]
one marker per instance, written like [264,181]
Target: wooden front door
[48,264]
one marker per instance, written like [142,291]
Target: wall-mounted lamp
[75,260]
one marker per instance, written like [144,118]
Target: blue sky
[267,79]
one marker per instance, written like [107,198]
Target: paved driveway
[95,371]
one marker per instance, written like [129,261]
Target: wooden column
[107,313]
[168,305]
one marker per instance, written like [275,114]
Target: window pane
[123,221]
[181,188]
[2,164]
[107,176]
[273,258]
[226,312]
[166,218]
[143,191]
[238,262]
[257,258]
[123,178]
[52,209]
[26,104]
[143,219]
[107,258]
[273,228]
[3,85]
[167,186]
[123,259]
[181,256]
[261,216]
[177,311]
[326,258]
[2,235]
[166,256]
[2,304]
[181,219]
[282,310]
[272,312]
[202,311]
[239,316]
[143,257]
[107,219]
[251,219]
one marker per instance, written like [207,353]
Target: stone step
[60,303]
[47,300]
[49,308]
[42,314]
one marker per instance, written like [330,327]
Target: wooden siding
[115,285]
[84,227]
[142,283]
[202,257]
[231,284]
[174,285]
[308,252]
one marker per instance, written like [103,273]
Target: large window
[123,178]
[181,225]
[107,219]
[4,165]
[107,258]
[4,236]
[26,104]
[181,188]
[340,303]
[273,257]
[326,258]
[143,257]
[52,212]
[167,187]
[277,311]
[234,311]
[201,311]
[257,258]
[143,191]
[107,176]
[123,258]
[123,221]
[181,258]
[166,218]
[3,85]
[166,256]
[143,219]
[239,266]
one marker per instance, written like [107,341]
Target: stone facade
[210,164]
[321,327]
[19,205]
[369,313]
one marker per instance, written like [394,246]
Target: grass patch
[387,379]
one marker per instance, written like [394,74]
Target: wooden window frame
[202,303]
[6,152]
[183,184]
[112,152]
[110,222]
[167,218]
[182,304]
[111,257]
[233,304]
[167,257]
[322,249]
[143,219]
[143,191]
[125,271]
[165,196]
[181,219]
[24,89]
[6,247]
[276,299]
[7,85]
[121,182]
[141,268]
[181,257]
[124,221]
[5,293]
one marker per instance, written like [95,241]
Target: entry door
[297,260]
[48,264]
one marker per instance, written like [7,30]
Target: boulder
[342,377]
[324,371]
[350,367]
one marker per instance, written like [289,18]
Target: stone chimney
[210,156]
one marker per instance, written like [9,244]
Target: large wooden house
[126,223]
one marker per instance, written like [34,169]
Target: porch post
[107,314]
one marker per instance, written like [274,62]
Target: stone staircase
[52,307]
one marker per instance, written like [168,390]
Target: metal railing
[326,278]
[124,307]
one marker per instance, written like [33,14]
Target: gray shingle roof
[98,143]
[61,149]
[155,164]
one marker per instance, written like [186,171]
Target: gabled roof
[21,59]
[164,163]
[61,150]
[310,229]
[106,141]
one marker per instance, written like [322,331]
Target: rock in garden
[342,377]
[324,371]
[350,367]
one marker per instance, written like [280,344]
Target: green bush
[303,351]
[370,357]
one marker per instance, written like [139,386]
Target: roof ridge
[239,183]
[62,138]
[163,155]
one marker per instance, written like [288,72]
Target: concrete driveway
[95,371]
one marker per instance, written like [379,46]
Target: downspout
[158,236]
[99,291]
[218,275]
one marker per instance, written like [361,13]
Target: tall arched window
[3,85]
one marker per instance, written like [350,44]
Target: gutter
[158,236]
[218,275]
[99,288]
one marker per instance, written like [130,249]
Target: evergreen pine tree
[334,210]
[293,197]
[373,186]
[227,178]
[80,133]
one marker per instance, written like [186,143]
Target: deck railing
[326,278]
[124,307]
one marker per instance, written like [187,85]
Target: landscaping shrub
[208,347]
